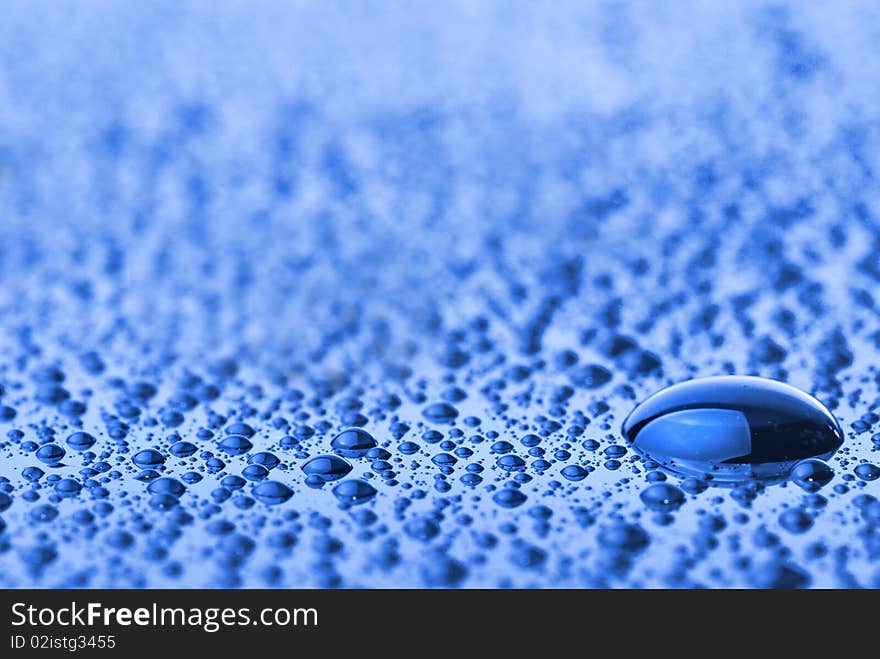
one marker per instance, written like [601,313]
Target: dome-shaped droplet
[440,413]
[408,448]
[353,443]
[314,481]
[511,463]
[182,449]
[33,474]
[574,472]
[328,467]
[148,458]
[471,479]
[191,477]
[354,491]
[811,475]
[268,460]
[272,493]
[662,497]
[163,502]
[867,471]
[423,529]
[50,454]
[509,498]
[236,444]
[233,482]
[67,487]
[732,428]
[240,429]
[80,441]
[255,472]
[166,486]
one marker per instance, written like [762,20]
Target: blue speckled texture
[315,215]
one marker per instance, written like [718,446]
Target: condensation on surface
[481,232]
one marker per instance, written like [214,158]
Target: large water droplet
[182,449]
[255,472]
[353,443]
[236,444]
[575,473]
[148,458]
[166,486]
[509,498]
[440,413]
[354,491]
[268,460]
[328,467]
[240,429]
[67,487]
[867,471]
[50,454]
[272,493]
[80,441]
[732,428]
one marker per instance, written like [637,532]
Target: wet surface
[346,298]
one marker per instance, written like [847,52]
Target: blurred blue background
[317,208]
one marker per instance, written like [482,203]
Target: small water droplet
[867,472]
[255,472]
[662,497]
[811,475]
